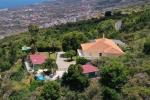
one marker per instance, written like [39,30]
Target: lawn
[52,55]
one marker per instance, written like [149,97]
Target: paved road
[62,64]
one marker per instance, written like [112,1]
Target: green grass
[52,55]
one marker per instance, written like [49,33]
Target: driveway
[28,67]
[61,62]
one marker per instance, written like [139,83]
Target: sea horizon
[8,4]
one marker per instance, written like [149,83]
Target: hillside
[16,20]
[16,82]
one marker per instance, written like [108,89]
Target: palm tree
[51,65]
[33,30]
[52,48]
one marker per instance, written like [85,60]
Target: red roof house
[38,59]
[90,70]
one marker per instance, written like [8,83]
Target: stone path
[61,62]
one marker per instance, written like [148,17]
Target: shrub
[70,54]
[81,60]
[51,91]
[72,40]
[5,66]
[110,94]
[35,84]
[146,49]
[17,76]
[74,79]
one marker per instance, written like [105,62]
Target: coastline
[47,15]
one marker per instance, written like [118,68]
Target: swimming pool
[40,77]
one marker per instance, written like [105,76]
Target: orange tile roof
[102,45]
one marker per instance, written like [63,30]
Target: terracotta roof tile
[89,68]
[103,45]
[38,58]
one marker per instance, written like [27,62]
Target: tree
[117,13]
[4,66]
[33,29]
[53,47]
[113,75]
[51,91]
[81,60]
[70,54]
[12,53]
[51,65]
[110,94]
[108,13]
[113,78]
[106,26]
[72,40]
[74,79]
[34,84]
[146,49]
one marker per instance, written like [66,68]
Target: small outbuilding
[90,71]
[26,48]
[37,59]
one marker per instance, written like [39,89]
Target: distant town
[48,14]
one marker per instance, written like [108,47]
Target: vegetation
[113,75]
[33,29]
[51,91]
[124,78]
[35,84]
[51,65]
[72,40]
[113,78]
[70,54]
[75,79]
[81,60]
[146,49]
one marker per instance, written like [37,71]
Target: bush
[35,84]
[146,49]
[81,60]
[72,40]
[18,76]
[19,95]
[5,66]
[51,91]
[110,94]
[113,75]
[108,13]
[70,54]
[74,79]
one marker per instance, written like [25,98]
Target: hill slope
[16,83]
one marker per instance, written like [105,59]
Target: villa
[101,47]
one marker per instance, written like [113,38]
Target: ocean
[18,3]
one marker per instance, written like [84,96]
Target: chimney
[103,35]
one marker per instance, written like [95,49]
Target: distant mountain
[105,4]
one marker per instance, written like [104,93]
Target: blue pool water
[41,78]
[18,3]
